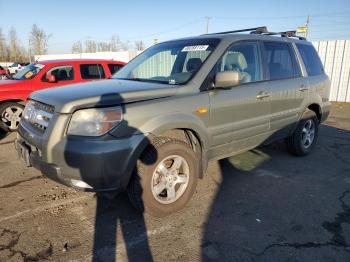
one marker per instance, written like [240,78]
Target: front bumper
[88,164]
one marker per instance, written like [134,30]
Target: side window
[281,61]
[244,58]
[92,71]
[62,73]
[114,68]
[311,59]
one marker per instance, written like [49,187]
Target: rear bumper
[102,164]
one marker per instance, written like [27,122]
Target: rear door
[93,71]
[288,88]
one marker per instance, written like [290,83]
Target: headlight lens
[94,121]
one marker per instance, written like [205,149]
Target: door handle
[262,95]
[303,88]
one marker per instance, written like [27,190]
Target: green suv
[152,128]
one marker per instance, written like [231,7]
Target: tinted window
[1,68]
[61,73]
[311,59]
[92,71]
[113,68]
[244,58]
[281,62]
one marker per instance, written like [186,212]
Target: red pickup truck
[44,74]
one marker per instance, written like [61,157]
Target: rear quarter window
[311,59]
[114,68]
[92,71]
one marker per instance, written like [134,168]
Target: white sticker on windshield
[195,48]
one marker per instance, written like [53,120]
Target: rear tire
[165,177]
[304,137]
[10,115]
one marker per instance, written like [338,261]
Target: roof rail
[261,30]
[255,30]
[286,34]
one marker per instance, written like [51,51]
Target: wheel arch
[19,101]
[186,127]
[317,109]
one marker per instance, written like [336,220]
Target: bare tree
[103,46]
[139,45]
[117,44]
[90,46]
[77,47]
[3,47]
[16,52]
[38,40]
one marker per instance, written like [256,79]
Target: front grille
[38,114]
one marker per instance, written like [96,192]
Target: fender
[177,120]
[21,95]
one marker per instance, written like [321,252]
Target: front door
[241,114]
[64,75]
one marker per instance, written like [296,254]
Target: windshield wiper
[146,80]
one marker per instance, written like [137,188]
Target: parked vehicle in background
[153,127]
[45,74]
[4,73]
[15,67]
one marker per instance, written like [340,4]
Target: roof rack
[261,30]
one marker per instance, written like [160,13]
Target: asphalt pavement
[262,205]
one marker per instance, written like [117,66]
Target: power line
[280,17]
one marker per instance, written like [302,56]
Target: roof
[59,61]
[245,36]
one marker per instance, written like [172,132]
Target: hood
[69,98]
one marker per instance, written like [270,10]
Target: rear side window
[114,68]
[311,59]
[281,61]
[92,71]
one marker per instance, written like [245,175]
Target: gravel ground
[263,205]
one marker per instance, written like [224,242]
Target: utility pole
[29,51]
[307,26]
[207,18]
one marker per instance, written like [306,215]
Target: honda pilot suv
[153,127]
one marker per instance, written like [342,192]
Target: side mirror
[51,78]
[227,79]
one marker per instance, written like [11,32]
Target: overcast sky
[74,20]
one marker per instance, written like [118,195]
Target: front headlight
[94,121]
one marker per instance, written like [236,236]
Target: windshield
[174,62]
[28,72]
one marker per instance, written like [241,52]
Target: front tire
[10,115]
[304,138]
[165,178]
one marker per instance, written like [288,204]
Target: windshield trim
[191,41]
